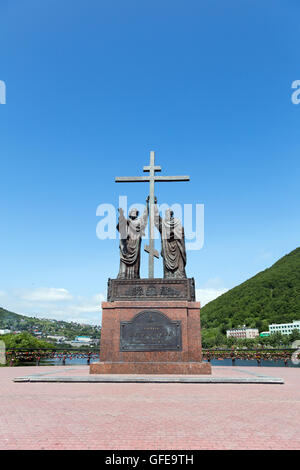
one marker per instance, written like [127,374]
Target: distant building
[244,333]
[83,339]
[71,343]
[58,339]
[284,328]
[5,332]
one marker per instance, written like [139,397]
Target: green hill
[272,296]
[23,323]
[5,315]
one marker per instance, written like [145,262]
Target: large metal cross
[152,178]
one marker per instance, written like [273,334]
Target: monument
[151,326]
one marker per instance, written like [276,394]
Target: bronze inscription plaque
[150,330]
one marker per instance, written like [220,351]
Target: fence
[258,355]
[14,356]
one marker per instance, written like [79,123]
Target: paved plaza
[160,416]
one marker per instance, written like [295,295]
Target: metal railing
[15,356]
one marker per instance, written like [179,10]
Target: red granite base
[180,368]
[186,360]
[115,312]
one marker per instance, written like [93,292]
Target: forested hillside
[272,296]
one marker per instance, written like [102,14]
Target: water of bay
[214,362]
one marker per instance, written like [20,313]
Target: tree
[294,335]
[230,341]
[25,341]
[276,339]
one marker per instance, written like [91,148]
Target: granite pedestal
[150,337]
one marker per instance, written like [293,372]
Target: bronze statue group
[172,243]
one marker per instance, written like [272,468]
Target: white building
[83,339]
[248,333]
[58,339]
[5,332]
[284,328]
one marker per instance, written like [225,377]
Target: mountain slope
[14,321]
[5,315]
[271,296]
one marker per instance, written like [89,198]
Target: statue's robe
[172,247]
[131,233]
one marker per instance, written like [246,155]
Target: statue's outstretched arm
[144,218]
[157,217]
[122,224]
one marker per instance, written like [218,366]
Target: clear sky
[92,86]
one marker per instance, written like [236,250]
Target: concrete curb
[154,379]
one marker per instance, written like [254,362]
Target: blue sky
[92,87]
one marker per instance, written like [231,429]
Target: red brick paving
[149,416]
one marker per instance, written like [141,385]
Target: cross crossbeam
[142,179]
[151,178]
